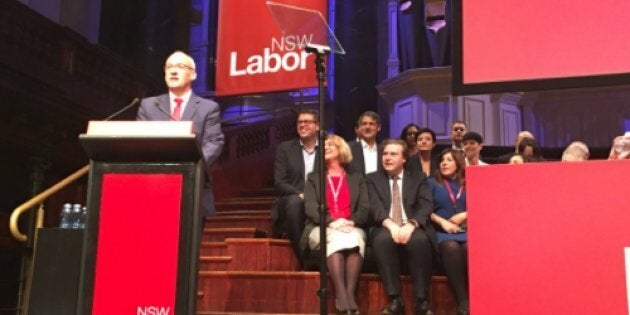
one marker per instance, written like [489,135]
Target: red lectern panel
[136,259]
[549,238]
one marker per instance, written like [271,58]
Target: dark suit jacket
[357,165]
[289,168]
[206,117]
[359,203]
[416,198]
[413,164]
[288,172]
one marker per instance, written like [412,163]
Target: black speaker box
[56,271]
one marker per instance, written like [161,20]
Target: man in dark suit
[366,153]
[295,159]
[180,103]
[401,206]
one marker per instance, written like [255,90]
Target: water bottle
[76,216]
[83,216]
[66,216]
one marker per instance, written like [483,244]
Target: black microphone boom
[134,102]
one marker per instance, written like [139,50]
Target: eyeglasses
[412,133]
[178,66]
[305,122]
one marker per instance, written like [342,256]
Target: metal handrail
[39,199]
[17,212]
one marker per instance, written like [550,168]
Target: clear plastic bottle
[83,216]
[76,216]
[66,216]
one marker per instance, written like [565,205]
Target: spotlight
[404,5]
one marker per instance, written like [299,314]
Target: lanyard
[450,193]
[336,191]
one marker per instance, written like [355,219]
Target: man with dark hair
[401,206]
[473,143]
[295,159]
[366,152]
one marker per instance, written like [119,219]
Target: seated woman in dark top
[409,134]
[347,206]
[424,160]
[530,150]
[448,188]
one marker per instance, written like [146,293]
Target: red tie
[178,108]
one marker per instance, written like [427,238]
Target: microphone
[165,112]
[134,102]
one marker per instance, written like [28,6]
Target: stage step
[258,198]
[261,192]
[214,263]
[242,313]
[260,222]
[252,254]
[295,292]
[243,213]
[220,234]
[245,204]
[213,249]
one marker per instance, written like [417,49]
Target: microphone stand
[320,52]
[134,102]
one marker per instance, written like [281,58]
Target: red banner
[252,53]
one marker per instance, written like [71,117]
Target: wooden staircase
[243,271]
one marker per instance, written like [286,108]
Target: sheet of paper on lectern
[140,128]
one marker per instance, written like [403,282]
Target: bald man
[180,103]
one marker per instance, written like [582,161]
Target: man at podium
[180,103]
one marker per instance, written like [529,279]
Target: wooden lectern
[144,224]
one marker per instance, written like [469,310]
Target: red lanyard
[335,192]
[450,193]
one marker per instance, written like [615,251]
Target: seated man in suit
[366,153]
[295,159]
[401,206]
[182,104]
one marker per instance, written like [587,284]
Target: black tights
[455,260]
[345,268]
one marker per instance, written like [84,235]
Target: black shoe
[423,308]
[354,311]
[395,307]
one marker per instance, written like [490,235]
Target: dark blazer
[357,165]
[359,203]
[288,173]
[416,197]
[289,167]
[413,164]
[206,117]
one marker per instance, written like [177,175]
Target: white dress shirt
[370,157]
